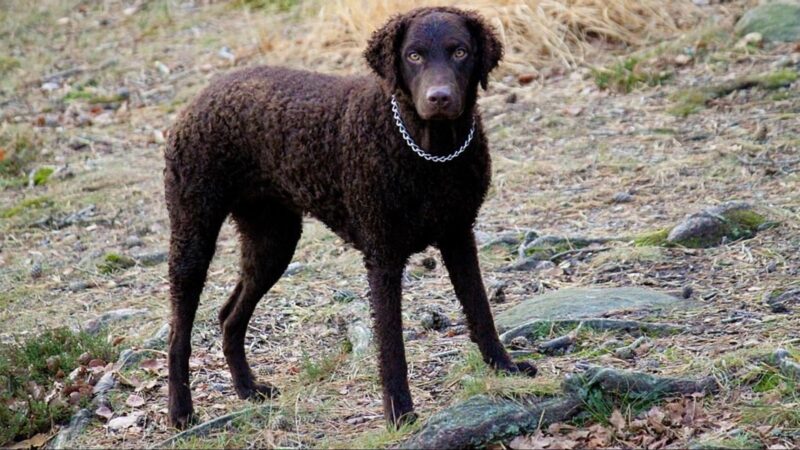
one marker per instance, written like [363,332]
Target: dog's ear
[383,47]
[490,49]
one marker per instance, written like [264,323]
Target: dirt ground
[562,149]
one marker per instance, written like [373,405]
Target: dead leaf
[2,154]
[617,420]
[567,444]
[153,365]
[655,417]
[36,441]
[531,441]
[134,401]
[147,385]
[104,412]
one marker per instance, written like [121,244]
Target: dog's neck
[438,137]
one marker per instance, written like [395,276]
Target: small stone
[434,320]
[50,86]
[74,397]
[682,60]
[152,259]
[162,68]
[497,293]
[527,78]
[78,143]
[36,270]
[687,292]
[429,263]
[123,93]
[95,325]
[511,98]
[225,53]
[750,39]
[344,296]
[772,266]
[133,241]
[293,269]
[519,343]
[104,384]
[622,197]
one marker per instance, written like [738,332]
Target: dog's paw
[526,368]
[521,368]
[180,417]
[258,392]
[404,419]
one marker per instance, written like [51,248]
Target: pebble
[77,286]
[152,259]
[434,320]
[519,343]
[622,197]
[133,241]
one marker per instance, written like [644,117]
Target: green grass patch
[626,75]
[41,175]
[656,238]
[19,149]
[28,370]
[113,262]
[324,367]
[7,64]
[27,204]
[267,5]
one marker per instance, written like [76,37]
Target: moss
[32,203]
[652,239]
[745,219]
[7,64]
[778,79]
[688,102]
[113,262]
[41,175]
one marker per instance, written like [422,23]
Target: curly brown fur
[266,145]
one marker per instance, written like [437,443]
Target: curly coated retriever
[392,163]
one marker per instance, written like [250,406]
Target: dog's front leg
[461,259]
[385,284]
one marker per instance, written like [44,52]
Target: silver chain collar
[416,148]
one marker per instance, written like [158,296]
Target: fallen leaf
[104,412]
[134,401]
[147,385]
[2,154]
[617,420]
[655,417]
[36,441]
[121,423]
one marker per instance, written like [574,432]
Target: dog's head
[436,55]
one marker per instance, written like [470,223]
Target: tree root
[484,419]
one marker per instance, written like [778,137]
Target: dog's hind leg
[269,235]
[195,223]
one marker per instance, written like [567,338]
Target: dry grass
[535,32]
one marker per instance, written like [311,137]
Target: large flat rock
[579,303]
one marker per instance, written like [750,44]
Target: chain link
[416,148]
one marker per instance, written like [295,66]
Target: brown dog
[392,163]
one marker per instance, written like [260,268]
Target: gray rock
[360,336]
[577,303]
[77,286]
[724,223]
[104,384]
[775,21]
[159,339]
[434,320]
[133,241]
[152,259]
[483,419]
[76,426]
[293,269]
[534,262]
[95,325]
[622,197]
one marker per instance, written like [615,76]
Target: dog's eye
[459,53]
[414,57]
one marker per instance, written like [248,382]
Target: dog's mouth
[439,114]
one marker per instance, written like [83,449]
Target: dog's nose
[439,95]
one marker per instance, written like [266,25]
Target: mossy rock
[730,221]
[113,262]
[776,21]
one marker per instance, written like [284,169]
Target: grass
[626,75]
[114,262]
[27,372]
[656,238]
[690,101]
[25,205]
[324,367]
[19,149]
[535,32]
